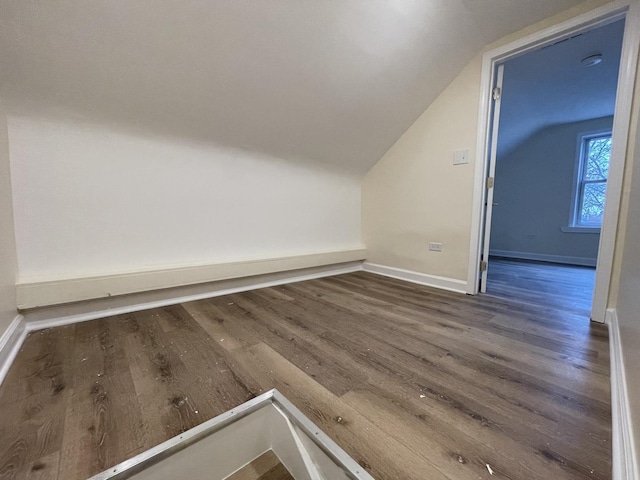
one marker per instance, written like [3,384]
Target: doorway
[554,120]
[494,62]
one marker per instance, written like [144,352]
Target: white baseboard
[625,463]
[37,293]
[10,344]
[543,257]
[12,339]
[56,316]
[444,283]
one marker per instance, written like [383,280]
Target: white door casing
[496,97]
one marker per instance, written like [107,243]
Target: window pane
[598,153]
[592,206]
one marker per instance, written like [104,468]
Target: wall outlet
[435,246]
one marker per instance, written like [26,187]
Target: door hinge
[496,93]
[483,266]
[490,182]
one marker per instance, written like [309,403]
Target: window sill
[571,229]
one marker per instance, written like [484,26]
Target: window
[591,185]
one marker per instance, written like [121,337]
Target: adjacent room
[553,153]
[247,240]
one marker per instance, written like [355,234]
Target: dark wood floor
[565,287]
[413,382]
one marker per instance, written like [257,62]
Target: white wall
[8,265]
[415,195]
[627,286]
[533,190]
[92,200]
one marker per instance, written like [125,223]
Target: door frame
[616,10]
[491,173]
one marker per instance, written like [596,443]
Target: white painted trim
[584,22]
[589,230]
[443,283]
[487,78]
[625,462]
[59,291]
[8,333]
[597,17]
[94,315]
[10,344]
[543,257]
[497,105]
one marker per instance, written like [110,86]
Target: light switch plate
[460,157]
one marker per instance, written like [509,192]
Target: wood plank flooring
[413,382]
[566,287]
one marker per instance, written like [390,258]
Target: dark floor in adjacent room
[413,382]
[567,287]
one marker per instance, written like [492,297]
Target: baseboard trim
[443,283]
[35,322]
[10,344]
[625,463]
[543,257]
[36,294]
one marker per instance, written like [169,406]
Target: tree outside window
[592,182]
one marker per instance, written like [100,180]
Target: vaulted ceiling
[551,86]
[332,82]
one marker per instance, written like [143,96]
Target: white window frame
[576,194]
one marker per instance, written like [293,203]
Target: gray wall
[8,266]
[533,191]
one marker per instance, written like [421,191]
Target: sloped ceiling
[331,82]
[550,86]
